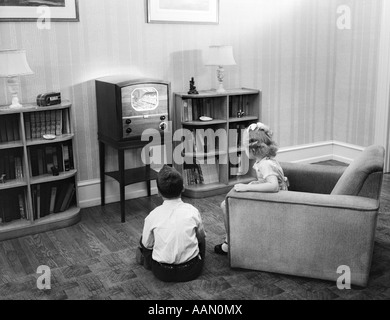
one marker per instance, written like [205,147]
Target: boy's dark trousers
[183,272]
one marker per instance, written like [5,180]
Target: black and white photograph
[195,157]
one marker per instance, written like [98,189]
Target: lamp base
[221,89]
[13,87]
[15,103]
[220,77]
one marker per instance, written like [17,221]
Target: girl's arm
[270,185]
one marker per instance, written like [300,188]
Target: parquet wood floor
[95,259]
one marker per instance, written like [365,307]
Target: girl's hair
[260,140]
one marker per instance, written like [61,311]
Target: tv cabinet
[211,168]
[32,198]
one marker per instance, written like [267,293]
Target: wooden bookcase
[32,198]
[231,112]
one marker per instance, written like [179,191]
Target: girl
[270,177]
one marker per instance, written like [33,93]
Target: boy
[173,238]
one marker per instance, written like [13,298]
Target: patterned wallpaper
[318,82]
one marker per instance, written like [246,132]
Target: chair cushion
[369,161]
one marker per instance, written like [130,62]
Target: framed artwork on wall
[32,10]
[183,11]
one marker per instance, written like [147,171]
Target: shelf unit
[23,210]
[231,112]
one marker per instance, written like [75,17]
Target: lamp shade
[220,56]
[14,63]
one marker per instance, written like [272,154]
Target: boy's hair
[260,141]
[169,182]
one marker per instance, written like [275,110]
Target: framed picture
[32,10]
[183,11]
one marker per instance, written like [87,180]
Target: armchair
[327,219]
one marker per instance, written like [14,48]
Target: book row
[9,128]
[53,122]
[11,167]
[193,109]
[12,205]
[200,173]
[53,197]
[48,159]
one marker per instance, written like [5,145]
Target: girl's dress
[270,167]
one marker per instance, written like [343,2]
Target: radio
[127,107]
[48,99]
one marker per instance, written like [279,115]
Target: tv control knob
[128,121]
[129,130]
[163,118]
[163,126]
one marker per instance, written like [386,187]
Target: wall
[318,82]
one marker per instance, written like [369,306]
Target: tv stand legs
[102,159]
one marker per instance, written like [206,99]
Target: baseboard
[89,191]
[321,151]
[308,153]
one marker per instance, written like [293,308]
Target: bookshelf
[33,197]
[213,165]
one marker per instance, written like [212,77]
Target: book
[3,129]
[210,173]
[58,119]
[34,162]
[67,198]
[40,158]
[11,173]
[37,126]
[185,111]
[190,110]
[33,123]
[27,125]
[49,158]
[9,129]
[48,122]
[53,194]
[2,164]
[53,122]
[65,122]
[22,206]
[66,159]
[60,158]
[71,158]
[45,199]
[15,127]
[38,201]
[6,165]
[61,194]
[42,124]
[68,204]
[34,202]
[7,215]
[10,205]
[18,168]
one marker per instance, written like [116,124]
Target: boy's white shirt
[170,230]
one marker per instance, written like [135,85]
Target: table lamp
[13,63]
[220,56]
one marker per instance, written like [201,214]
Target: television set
[126,107]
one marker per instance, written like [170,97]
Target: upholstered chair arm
[310,199]
[312,178]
